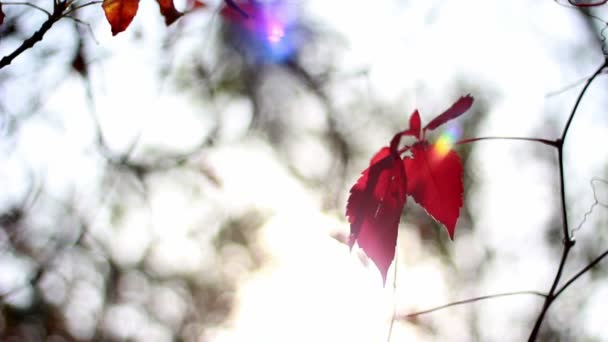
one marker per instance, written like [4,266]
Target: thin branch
[538,140]
[473,300]
[581,272]
[595,203]
[57,14]
[394,309]
[27,4]
[567,239]
[580,97]
[74,8]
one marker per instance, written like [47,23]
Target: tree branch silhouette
[58,8]
[568,241]
[471,300]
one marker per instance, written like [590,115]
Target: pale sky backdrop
[417,55]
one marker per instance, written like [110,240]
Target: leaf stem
[472,300]
[538,140]
[394,308]
[567,239]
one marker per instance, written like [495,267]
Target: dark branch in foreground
[568,241]
[57,14]
[472,300]
[581,272]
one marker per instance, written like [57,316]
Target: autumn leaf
[168,10]
[1,15]
[435,182]
[431,174]
[243,14]
[587,3]
[374,208]
[196,4]
[231,4]
[456,110]
[120,13]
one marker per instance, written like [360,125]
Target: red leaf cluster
[432,178]
[120,13]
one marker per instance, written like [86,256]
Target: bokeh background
[188,183]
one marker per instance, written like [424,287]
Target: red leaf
[413,130]
[374,208]
[239,13]
[456,110]
[196,4]
[168,10]
[237,8]
[1,15]
[587,3]
[120,13]
[415,124]
[435,182]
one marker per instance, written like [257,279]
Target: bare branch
[28,5]
[580,273]
[472,300]
[57,14]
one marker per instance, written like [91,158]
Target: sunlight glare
[446,141]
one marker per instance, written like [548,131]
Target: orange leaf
[167,9]
[120,13]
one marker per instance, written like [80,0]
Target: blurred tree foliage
[70,269]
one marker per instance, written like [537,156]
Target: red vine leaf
[120,13]
[196,4]
[231,4]
[413,131]
[374,208]
[168,10]
[240,13]
[456,110]
[435,182]
[587,3]
[415,124]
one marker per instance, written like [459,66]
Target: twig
[567,239]
[27,4]
[581,272]
[538,140]
[74,8]
[58,8]
[595,203]
[394,309]
[472,300]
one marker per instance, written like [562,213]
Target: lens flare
[270,34]
[276,32]
[446,141]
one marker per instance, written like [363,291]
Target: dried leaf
[120,13]
[168,10]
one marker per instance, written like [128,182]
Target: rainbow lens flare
[446,141]
[269,34]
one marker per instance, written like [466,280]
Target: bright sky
[313,288]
